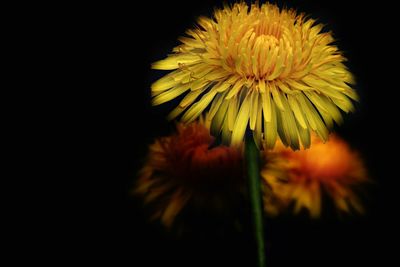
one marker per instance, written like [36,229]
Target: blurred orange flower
[299,177]
[185,169]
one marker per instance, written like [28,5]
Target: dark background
[131,37]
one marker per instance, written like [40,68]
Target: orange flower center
[323,162]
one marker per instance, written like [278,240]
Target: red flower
[184,168]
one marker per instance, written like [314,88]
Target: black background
[114,225]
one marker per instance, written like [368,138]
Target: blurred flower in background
[274,71]
[300,177]
[184,169]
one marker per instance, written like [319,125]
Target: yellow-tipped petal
[195,110]
[277,95]
[219,118]
[284,88]
[216,75]
[317,101]
[289,127]
[257,136]
[226,133]
[315,120]
[277,69]
[222,86]
[242,119]
[344,103]
[298,112]
[164,83]
[235,89]
[175,113]
[254,109]
[307,111]
[270,129]
[172,62]
[351,93]
[232,112]
[266,101]
[299,86]
[332,110]
[170,94]
[199,84]
[327,119]
[190,98]
[191,42]
[215,106]
[305,137]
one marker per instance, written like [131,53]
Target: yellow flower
[274,71]
[184,169]
[300,176]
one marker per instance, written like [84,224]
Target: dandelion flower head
[275,72]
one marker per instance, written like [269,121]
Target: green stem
[253,170]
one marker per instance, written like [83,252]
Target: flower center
[268,29]
[269,39]
[259,52]
[327,163]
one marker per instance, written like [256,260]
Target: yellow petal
[232,112]
[290,125]
[271,60]
[307,111]
[258,128]
[219,118]
[226,133]
[254,109]
[277,69]
[270,129]
[175,112]
[313,117]
[235,89]
[216,74]
[173,61]
[170,94]
[284,88]
[327,119]
[277,96]
[331,91]
[215,106]
[299,86]
[298,112]
[241,122]
[284,135]
[266,101]
[201,72]
[199,84]
[317,101]
[288,63]
[190,98]
[191,42]
[290,129]
[164,83]
[351,93]
[344,103]
[222,86]
[305,137]
[332,110]
[196,109]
